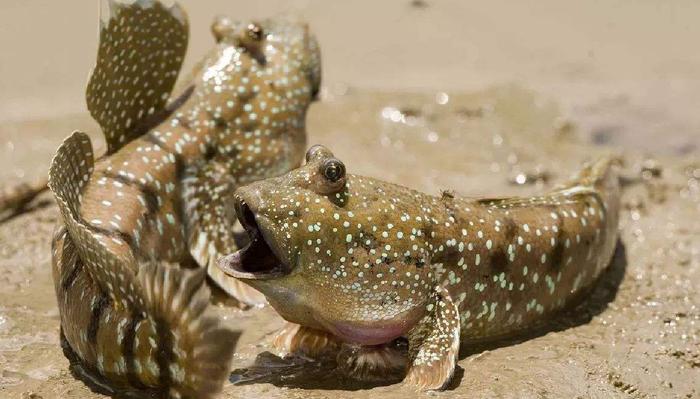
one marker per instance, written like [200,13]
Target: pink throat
[365,334]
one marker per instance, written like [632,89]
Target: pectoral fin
[293,338]
[434,345]
[372,363]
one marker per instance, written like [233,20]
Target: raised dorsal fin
[142,46]
[105,297]
[69,174]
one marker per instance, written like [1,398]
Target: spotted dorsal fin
[69,174]
[105,297]
[142,46]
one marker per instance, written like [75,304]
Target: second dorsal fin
[142,46]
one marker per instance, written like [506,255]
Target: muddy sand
[637,335]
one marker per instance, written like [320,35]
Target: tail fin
[601,179]
[134,329]
[599,173]
[600,176]
[142,46]
[201,349]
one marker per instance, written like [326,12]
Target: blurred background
[489,98]
[628,72]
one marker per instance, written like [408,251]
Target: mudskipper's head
[334,251]
[282,43]
[253,90]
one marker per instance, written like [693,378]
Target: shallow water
[637,335]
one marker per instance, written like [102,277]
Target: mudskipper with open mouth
[362,261]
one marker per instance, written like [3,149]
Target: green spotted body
[507,263]
[368,261]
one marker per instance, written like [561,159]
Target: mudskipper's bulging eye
[333,170]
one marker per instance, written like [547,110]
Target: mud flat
[637,335]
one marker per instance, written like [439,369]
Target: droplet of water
[393,114]
[497,139]
[433,137]
[442,98]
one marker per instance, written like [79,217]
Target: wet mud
[636,335]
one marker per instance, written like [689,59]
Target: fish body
[240,120]
[143,224]
[369,261]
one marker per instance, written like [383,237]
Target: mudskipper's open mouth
[260,258]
